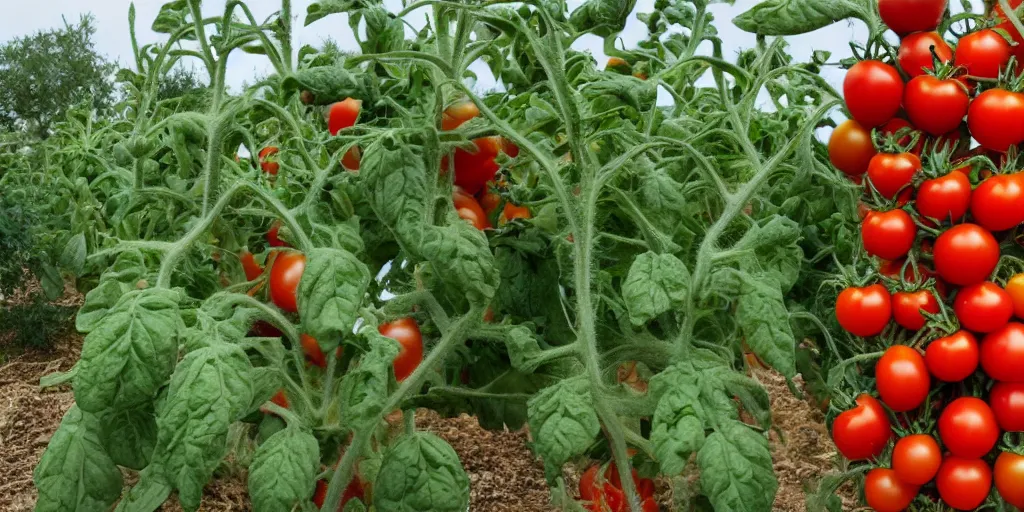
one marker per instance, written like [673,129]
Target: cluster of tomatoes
[602,491]
[934,228]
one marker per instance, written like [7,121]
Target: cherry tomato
[983,53]
[996,119]
[916,459]
[273,237]
[915,55]
[354,490]
[935,106]
[314,354]
[968,428]
[1009,471]
[249,266]
[983,307]
[512,211]
[1007,402]
[407,333]
[473,169]
[953,358]
[907,308]
[457,114]
[863,432]
[280,399]
[1002,353]
[1007,26]
[850,148]
[966,254]
[906,16]
[1015,287]
[946,198]
[285,274]
[343,114]
[885,492]
[489,201]
[588,483]
[998,202]
[873,92]
[352,158]
[964,483]
[902,378]
[890,173]
[864,311]
[269,166]
[469,209]
[889,235]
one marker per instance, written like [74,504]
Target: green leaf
[75,474]
[773,249]
[764,321]
[319,10]
[563,422]
[171,17]
[50,280]
[74,254]
[330,84]
[602,17]
[656,284]
[421,472]
[676,431]
[266,381]
[117,280]
[462,257]
[331,292]
[364,388]
[283,470]
[396,181]
[132,351]
[791,17]
[147,495]
[130,435]
[736,469]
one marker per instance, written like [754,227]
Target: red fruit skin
[916,459]
[870,313]
[863,432]
[964,483]
[997,204]
[285,274]
[915,54]
[889,235]
[983,307]
[945,198]
[1009,471]
[1002,353]
[956,267]
[884,491]
[891,172]
[906,16]
[987,43]
[1007,401]
[873,92]
[996,119]
[936,106]
[343,114]
[907,308]
[270,168]
[968,428]
[902,378]
[953,358]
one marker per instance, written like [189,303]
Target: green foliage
[421,472]
[282,469]
[36,323]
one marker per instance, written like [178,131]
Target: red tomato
[894,125]
[998,202]
[996,119]
[946,198]
[983,53]
[906,16]
[890,173]
[1002,353]
[889,235]
[469,209]
[966,254]
[512,211]
[983,307]
[262,329]
[1015,287]
[1007,402]
[588,483]
[850,148]
[907,307]
[863,432]
[1008,27]
[273,239]
[249,265]
[314,354]
[968,428]
[1009,470]
[351,159]
[964,483]
[953,358]
[489,201]
[936,106]
[285,274]
[407,333]
[457,114]
[873,92]
[864,311]
[269,166]
[474,169]
[343,114]
[885,492]
[902,378]
[916,459]
[915,54]
[354,490]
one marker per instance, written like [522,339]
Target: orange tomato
[457,114]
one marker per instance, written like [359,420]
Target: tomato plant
[890,173]
[915,54]
[407,333]
[946,198]
[908,306]
[285,274]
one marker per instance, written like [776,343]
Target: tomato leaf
[129,435]
[764,321]
[564,423]
[421,471]
[396,180]
[676,431]
[463,258]
[364,388]
[773,249]
[331,292]
[75,472]
[283,470]
[74,254]
[330,84]
[147,495]
[736,469]
[602,17]
[121,277]
[791,17]
[319,10]
[656,284]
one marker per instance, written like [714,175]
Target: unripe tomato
[457,114]
[916,459]
[512,211]
[285,274]
[906,16]
[953,358]
[850,148]
[968,428]
[902,378]
[863,432]
[915,55]
[1002,353]
[407,333]
[864,311]
[885,492]
[966,254]
[983,307]
[889,235]
[873,92]
[964,483]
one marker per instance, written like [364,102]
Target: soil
[504,474]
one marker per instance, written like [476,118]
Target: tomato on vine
[983,53]
[863,432]
[850,148]
[916,459]
[885,492]
[915,53]
[251,268]
[457,114]
[892,172]
[273,235]
[968,428]
[902,378]
[864,311]
[1009,477]
[407,333]
[895,125]
[354,490]
[474,168]
[285,274]
[997,204]
[889,235]
[469,209]
[314,354]
[983,307]
[953,358]
[945,198]
[343,114]
[964,483]
[512,211]
[873,92]
[966,254]
[1002,353]
[1007,402]
[268,164]
[936,105]
[1015,287]
[904,17]
[996,119]
[907,308]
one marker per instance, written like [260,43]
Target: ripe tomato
[343,114]
[983,307]
[273,239]
[864,311]
[1002,353]
[998,202]
[352,158]
[268,164]
[890,173]
[996,119]
[314,354]
[915,55]
[407,333]
[863,432]
[906,16]
[280,399]
[885,492]
[983,53]
[936,106]
[889,235]
[907,307]
[474,169]
[249,266]
[966,254]
[285,274]
[457,114]
[964,483]
[850,148]
[902,378]
[489,200]
[512,211]
[894,125]
[916,459]
[354,490]
[604,492]
[1009,470]
[946,198]
[1007,402]
[997,12]
[953,358]
[873,92]
[469,209]
[1015,287]
[968,428]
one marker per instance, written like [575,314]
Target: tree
[45,74]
